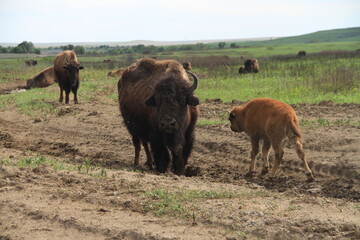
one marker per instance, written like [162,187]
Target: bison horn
[196,80]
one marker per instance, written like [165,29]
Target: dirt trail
[41,203]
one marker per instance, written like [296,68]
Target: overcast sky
[48,21]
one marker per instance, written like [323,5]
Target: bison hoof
[310,177]
[264,171]
[250,174]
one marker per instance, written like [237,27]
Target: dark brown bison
[67,68]
[116,73]
[30,63]
[271,121]
[187,66]
[250,66]
[43,79]
[301,54]
[106,60]
[158,105]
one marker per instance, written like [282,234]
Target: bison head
[73,68]
[171,97]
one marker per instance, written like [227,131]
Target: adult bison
[250,66]
[271,121]
[301,54]
[158,105]
[67,68]
[30,63]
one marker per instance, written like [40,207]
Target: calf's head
[171,97]
[237,118]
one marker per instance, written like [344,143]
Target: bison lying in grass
[42,79]
[250,66]
[271,121]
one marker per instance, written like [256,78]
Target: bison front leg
[149,159]
[61,95]
[178,162]
[254,153]
[74,90]
[67,92]
[137,146]
[265,155]
[161,156]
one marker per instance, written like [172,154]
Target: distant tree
[3,50]
[79,50]
[233,45]
[25,47]
[221,44]
[68,47]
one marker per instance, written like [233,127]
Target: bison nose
[168,125]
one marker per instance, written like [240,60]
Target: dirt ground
[43,203]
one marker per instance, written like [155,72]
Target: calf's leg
[254,153]
[300,152]
[265,155]
[279,153]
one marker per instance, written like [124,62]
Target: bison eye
[231,116]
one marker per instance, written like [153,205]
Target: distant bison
[158,105]
[116,73]
[30,63]
[187,66]
[106,60]
[271,121]
[301,54]
[67,68]
[250,66]
[43,79]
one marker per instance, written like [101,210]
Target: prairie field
[66,171]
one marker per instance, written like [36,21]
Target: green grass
[176,204]
[38,160]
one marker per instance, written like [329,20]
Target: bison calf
[271,121]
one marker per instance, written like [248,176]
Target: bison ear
[150,101]
[193,101]
[81,67]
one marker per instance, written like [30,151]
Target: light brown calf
[271,121]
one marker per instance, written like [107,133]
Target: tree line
[24,47]
[28,47]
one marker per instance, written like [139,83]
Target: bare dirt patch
[43,203]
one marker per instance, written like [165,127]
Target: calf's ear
[193,101]
[150,101]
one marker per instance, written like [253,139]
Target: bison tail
[294,129]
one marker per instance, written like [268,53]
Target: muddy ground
[44,203]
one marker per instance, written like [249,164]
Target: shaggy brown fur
[271,121]
[43,79]
[158,107]
[250,66]
[67,68]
